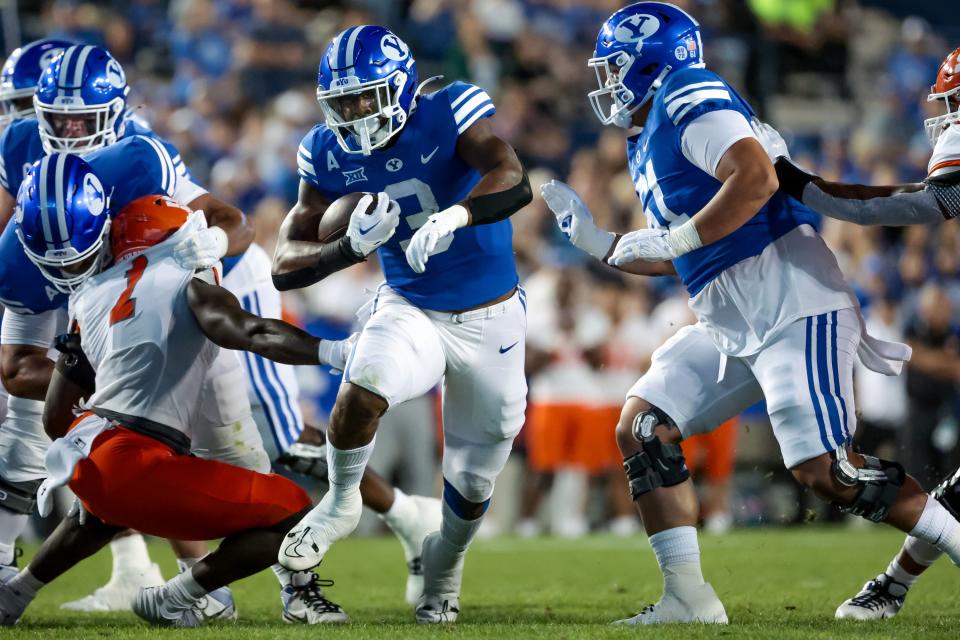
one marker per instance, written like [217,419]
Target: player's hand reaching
[201,249]
[368,231]
[575,219]
[336,352]
[439,226]
[650,245]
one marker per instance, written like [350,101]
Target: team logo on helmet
[636,28]
[394,48]
[48,57]
[18,214]
[93,191]
[115,75]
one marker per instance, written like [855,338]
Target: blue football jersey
[423,173]
[672,189]
[131,168]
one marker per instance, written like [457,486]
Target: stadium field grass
[776,583]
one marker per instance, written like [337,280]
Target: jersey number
[427,203]
[126,306]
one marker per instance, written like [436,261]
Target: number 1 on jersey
[126,305]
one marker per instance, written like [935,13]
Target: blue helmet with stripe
[81,100]
[20,75]
[62,220]
[366,87]
[636,48]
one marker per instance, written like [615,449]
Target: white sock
[937,527]
[129,553]
[25,583]
[901,575]
[345,466]
[183,591]
[11,526]
[283,575]
[921,552]
[401,517]
[450,549]
[184,564]
[678,554]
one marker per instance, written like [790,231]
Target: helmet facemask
[936,125]
[15,104]
[368,113]
[67,269]
[613,102]
[103,124]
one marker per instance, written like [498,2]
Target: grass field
[782,583]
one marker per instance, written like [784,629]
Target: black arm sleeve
[792,178]
[495,207]
[73,364]
[334,256]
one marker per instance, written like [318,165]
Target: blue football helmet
[20,75]
[81,100]
[62,220]
[636,48]
[366,87]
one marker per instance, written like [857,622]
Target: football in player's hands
[334,222]
[370,227]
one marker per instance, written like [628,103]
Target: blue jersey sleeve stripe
[690,87]
[463,96]
[166,166]
[305,166]
[487,109]
[12,305]
[467,108]
[693,99]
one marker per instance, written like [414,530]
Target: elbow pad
[334,256]
[494,207]
[73,364]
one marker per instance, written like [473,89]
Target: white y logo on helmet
[48,57]
[115,75]
[394,48]
[636,28]
[93,191]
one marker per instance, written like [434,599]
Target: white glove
[575,220]
[438,226]
[336,352]
[201,249]
[367,232]
[651,245]
[773,143]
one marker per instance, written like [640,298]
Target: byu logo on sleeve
[637,28]
[394,48]
[93,191]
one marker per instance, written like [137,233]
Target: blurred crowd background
[231,83]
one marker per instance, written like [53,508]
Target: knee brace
[947,493]
[660,464]
[19,497]
[879,482]
[306,459]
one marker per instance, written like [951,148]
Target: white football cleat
[306,604]
[153,605]
[218,605]
[879,599]
[7,571]
[440,602]
[427,521]
[13,602]
[119,592]
[305,545]
[698,604]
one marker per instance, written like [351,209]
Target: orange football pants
[131,480]
[716,449]
[572,435]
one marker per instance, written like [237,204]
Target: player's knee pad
[466,507]
[19,497]
[947,493]
[306,459]
[659,464]
[878,481]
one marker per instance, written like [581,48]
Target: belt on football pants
[482,313]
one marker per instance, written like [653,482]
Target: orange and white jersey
[140,336]
[946,153]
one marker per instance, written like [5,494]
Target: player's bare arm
[25,370]
[503,188]
[7,204]
[227,217]
[904,204]
[298,246]
[223,321]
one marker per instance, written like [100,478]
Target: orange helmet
[946,87]
[143,223]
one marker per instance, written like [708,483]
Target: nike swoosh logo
[364,232]
[425,159]
[292,551]
[505,349]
